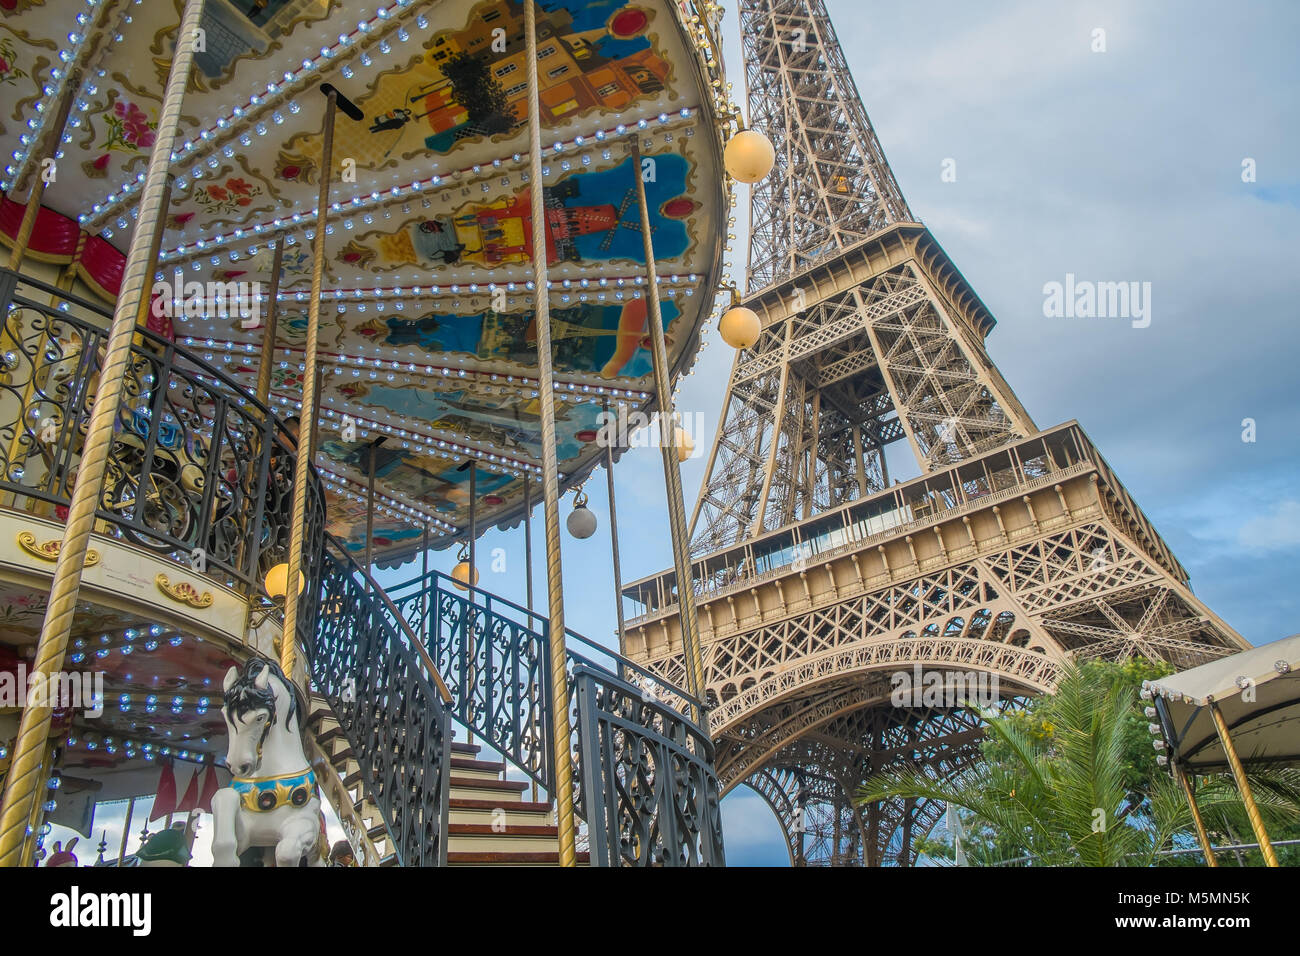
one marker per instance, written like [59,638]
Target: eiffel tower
[818,580]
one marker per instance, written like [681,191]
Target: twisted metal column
[23,781]
[1202,837]
[1243,787]
[307,429]
[50,148]
[613,534]
[559,682]
[272,326]
[691,653]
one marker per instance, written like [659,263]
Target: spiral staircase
[491,820]
[393,669]
[198,465]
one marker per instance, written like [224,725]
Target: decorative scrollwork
[644,779]
[184,592]
[198,471]
[49,550]
[388,708]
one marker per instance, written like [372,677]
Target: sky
[1122,165]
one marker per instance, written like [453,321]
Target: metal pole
[370,514]
[307,431]
[559,681]
[425,584]
[528,570]
[49,151]
[126,831]
[528,549]
[21,787]
[471,578]
[1201,835]
[272,326]
[691,654]
[613,536]
[1243,787]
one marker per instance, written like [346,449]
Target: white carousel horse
[272,800]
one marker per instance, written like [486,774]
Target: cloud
[1278,531]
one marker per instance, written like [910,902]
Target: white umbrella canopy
[1258,693]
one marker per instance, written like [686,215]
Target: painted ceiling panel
[427,323]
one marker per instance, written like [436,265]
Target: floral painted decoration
[227,198]
[128,128]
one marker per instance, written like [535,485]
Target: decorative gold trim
[184,592]
[49,550]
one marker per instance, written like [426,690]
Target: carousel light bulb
[581,522]
[749,156]
[739,327]
[682,441]
[461,575]
[277,581]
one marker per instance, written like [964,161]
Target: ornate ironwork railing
[644,776]
[388,702]
[199,472]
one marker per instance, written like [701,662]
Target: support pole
[126,831]
[470,618]
[272,327]
[307,432]
[691,654]
[613,535]
[425,584]
[370,514]
[23,782]
[49,150]
[1243,787]
[562,744]
[528,569]
[1201,835]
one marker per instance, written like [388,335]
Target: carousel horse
[272,800]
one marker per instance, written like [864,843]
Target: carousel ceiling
[427,320]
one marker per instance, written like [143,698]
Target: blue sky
[1123,165]
[1115,166]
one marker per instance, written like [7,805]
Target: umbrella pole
[1243,787]
[1201,835]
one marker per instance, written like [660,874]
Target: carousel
[432,248]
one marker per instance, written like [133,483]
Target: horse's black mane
[245,696]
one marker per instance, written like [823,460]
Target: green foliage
[1072,780]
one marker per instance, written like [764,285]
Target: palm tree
[1057,793]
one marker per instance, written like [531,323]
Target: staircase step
[318,714]
[507,858]
[340,757]
[464,803]
[329,736]
[477,769]
[474,788]
[464,750]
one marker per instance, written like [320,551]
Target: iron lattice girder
[886,300]
[819,775]
[1020,557]
[832,185]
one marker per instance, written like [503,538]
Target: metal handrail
[620,663]
[187,426]
[377,591]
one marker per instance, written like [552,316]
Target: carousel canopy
[1258,693]
[428,341]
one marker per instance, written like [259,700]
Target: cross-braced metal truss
[832,186]
[870,335]
[829,383]
[812,783]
